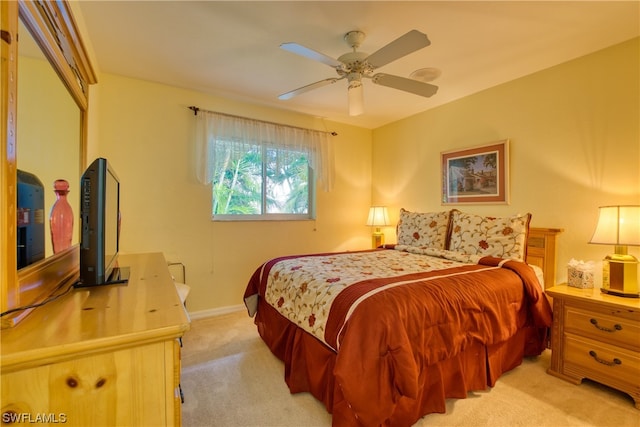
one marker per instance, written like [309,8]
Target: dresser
[107,355]
[596,336]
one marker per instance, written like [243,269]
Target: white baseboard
[201,314]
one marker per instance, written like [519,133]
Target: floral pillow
[427,230]
[489,236]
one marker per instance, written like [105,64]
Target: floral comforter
[388,314]
[320,292]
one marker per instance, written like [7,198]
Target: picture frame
[477,175]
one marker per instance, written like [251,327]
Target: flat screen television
[100,226]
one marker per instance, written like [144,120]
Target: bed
[385,336]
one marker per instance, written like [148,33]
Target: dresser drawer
[601,362]
[602,327]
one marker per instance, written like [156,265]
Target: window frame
[311,199]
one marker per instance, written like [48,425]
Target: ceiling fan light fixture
[356,96]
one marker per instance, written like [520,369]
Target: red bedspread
[391,332]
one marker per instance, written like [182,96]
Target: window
[261,170]
[261,182]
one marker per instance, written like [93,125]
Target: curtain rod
[196,109]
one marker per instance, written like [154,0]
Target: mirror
[48,131]
[53,27]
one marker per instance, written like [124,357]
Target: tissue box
[579,278]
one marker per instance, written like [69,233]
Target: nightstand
[596,336]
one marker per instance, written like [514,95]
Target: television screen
[100,222]
[30,219]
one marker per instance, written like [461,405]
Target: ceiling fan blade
[407,85]
[303,89]
[311,54]
[404,45]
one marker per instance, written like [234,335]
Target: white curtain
[221,137]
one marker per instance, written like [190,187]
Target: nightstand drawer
[602,327]
[600,362]
[596,336]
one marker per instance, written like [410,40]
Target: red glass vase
[61,217]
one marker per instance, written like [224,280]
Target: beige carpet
[231,379]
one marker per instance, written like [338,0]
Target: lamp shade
[378,216]
[618,225]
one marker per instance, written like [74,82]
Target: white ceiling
[231,48]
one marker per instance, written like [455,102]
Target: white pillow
[427,230]
[489,236]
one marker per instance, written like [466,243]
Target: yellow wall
[575,145]
[144,129]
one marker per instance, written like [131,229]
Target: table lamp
[619,226]
[378,217]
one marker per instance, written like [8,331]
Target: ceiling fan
[354,66]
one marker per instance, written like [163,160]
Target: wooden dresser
[596,336]
[105,355]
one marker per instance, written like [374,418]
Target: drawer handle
[616,327]
[615,361]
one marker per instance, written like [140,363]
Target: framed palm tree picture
[476,175]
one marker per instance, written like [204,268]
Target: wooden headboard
[541,252]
